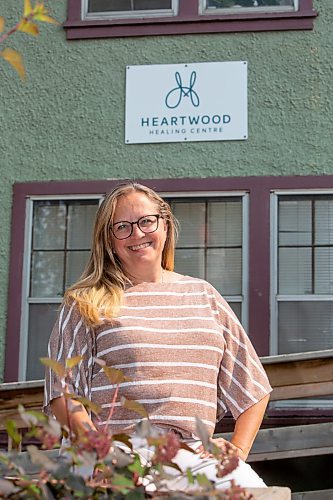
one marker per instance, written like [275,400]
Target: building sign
[186,102]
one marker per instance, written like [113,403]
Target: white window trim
[275,298]
[128,14]
[244,298]
[204,10]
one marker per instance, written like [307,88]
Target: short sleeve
[242,380]
[70,337]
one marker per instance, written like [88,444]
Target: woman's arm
[247,426]
[78,416]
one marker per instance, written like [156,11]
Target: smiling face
[140,254]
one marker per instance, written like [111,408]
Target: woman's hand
[224,445]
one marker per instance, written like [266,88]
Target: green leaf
[190,477]
[58,368]
[137,466]
[31,417]
[122,481]
[71,362]
[202,432]
[134,406]
[12,431]
[203,480]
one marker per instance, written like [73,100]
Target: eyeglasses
[147,224]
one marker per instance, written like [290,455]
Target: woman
[174,337]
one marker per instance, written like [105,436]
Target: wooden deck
[292,376]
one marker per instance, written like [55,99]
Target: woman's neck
[153,276]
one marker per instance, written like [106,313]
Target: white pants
[243,475]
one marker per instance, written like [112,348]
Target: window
[303,285]
[213,245]
[118,18]
[241,6]
[113,9]
[58,236]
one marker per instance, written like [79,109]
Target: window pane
[49,225]
[41,320]
[75,264]
[295,271]
[227,4]
[295,222]
[305,326]
[324,222]
[47,269]
[192,219]
[191,262]
[323,270]
[80,224]
[224,223]
[224,270]
[127,5]
[237,308]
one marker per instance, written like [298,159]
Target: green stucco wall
[67,120]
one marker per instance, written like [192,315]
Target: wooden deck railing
[292,376]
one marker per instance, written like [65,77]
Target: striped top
[181,347]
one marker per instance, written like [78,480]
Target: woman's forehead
[134,205]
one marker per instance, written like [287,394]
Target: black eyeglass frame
[158,217]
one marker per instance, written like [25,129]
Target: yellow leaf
[71,362]
[54,365]
[94,407]
[40,13]
[28,27]
[2,24]
[134,406]
[27,8]
[14,58]
[115,376]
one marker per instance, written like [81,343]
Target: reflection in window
[269,5]
[127,5]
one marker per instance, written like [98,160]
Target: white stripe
[235,381]
[221,403]
[189,306]
[63,326]
[245,347]
[232,400]
[169,294]
[165,363]
[229,312]
[76,329]
[171,399]
[158,318]
[159,330]
[239,363]
[156,382]
[156,417]
[159,346]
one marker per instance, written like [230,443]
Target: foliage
[27,24]
[99,465]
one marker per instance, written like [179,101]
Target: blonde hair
[100,288]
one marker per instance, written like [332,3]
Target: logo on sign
[176,95]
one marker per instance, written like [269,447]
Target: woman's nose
[136,230]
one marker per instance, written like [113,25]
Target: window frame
[188,20]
